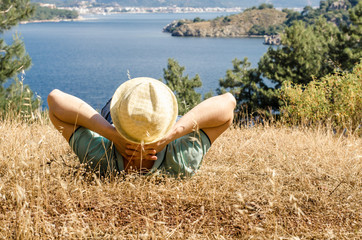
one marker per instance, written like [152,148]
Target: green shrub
[334,100]
[265,6]
[197,19]
[226,19]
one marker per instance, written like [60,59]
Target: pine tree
[14,59]
[348,52]
[13,11]
[304,53]
[313,51]
[182,86]
[247,86]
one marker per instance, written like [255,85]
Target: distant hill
[260,21]
[237,25]
[191,3]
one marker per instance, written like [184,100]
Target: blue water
[91,58]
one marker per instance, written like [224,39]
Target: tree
[246,85]
[13,58]
[197,19]
[265,6]
[348,51]
[335,12]
[311,48]
[304,53]
[313,51]
[13,11]
[182,86]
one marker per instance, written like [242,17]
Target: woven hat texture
[143,110]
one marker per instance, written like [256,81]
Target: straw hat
[143,110]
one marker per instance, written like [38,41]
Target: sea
[92,57]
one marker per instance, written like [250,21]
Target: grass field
[255,183]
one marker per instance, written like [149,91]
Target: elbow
[230,104]
[53,98]
[230,100]
[53,95]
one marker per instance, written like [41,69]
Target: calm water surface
[91,58]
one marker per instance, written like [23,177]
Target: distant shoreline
[80,18]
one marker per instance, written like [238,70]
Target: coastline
[80,18]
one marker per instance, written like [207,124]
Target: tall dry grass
[255,183]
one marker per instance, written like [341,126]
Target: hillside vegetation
[262,182]
[263,20]
[46,13]
[237,25]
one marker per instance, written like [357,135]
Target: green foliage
[315,50]
[257,30]
[348,51]
[265,6]
[270,30]
[331,10]
[335,99]
[249,9]
[13,11]
[209,94]
[180,23]
[226,19]
[291,16]
[304,53]
[312,51]
[261,7]
[337,15]
[182,86]
[45,13]
[14,60]
[197,19]
[308,52]
[247,86]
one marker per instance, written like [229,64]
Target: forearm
[211,113]
[67,112]
[72,110]
[88,117]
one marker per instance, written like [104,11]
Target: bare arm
[214,116]
[68,112]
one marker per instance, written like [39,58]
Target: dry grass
[255,183]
